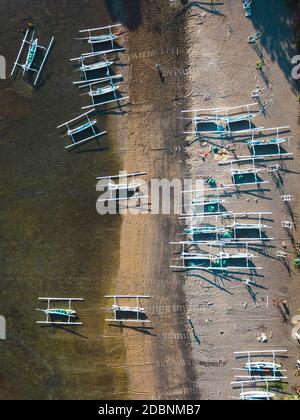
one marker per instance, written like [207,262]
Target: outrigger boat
[86,68]
[68,315]
[245,177]
[128,313]
[98,39]
[262,366]
[95,66]
[30,55]
[83,127]
[208,261]
[208,200]
[226,233]
[268,144]
[94,93]
[262,369]
[74,132]
[247,7]
[121,191]
[103,90]
[222,118]
[94,39]
[33,47]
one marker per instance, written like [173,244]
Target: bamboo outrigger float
[81,130]
[245,177]
[221,118]
[33,47]
[59,316]
[122,191]
[131,314]
[103,91]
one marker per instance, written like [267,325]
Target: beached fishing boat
[247,7]
[88,127]
[128,313]
[93,38]
[82,127]
[134,309]
[30,55]
[102,38]
[33,47]
[118,191]
[59,312]
[234,232]
[95,66]
[103,90]
[222,118]
[68,315]
[266,142]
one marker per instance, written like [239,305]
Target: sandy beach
[150,142]
[167,362]
[54,242]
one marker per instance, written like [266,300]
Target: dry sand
[165,361]
[223,74]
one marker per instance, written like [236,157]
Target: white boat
[103,91]
[82,127]
[102,38]
[69,313]
[33,46]
[262,366]
[96,66]
[128,309]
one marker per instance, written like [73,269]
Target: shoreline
[152,144]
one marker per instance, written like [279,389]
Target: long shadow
[274,19]
[72,329]
[218,286]
[127,12]
[142,329]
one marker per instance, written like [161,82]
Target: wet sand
[53,243]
